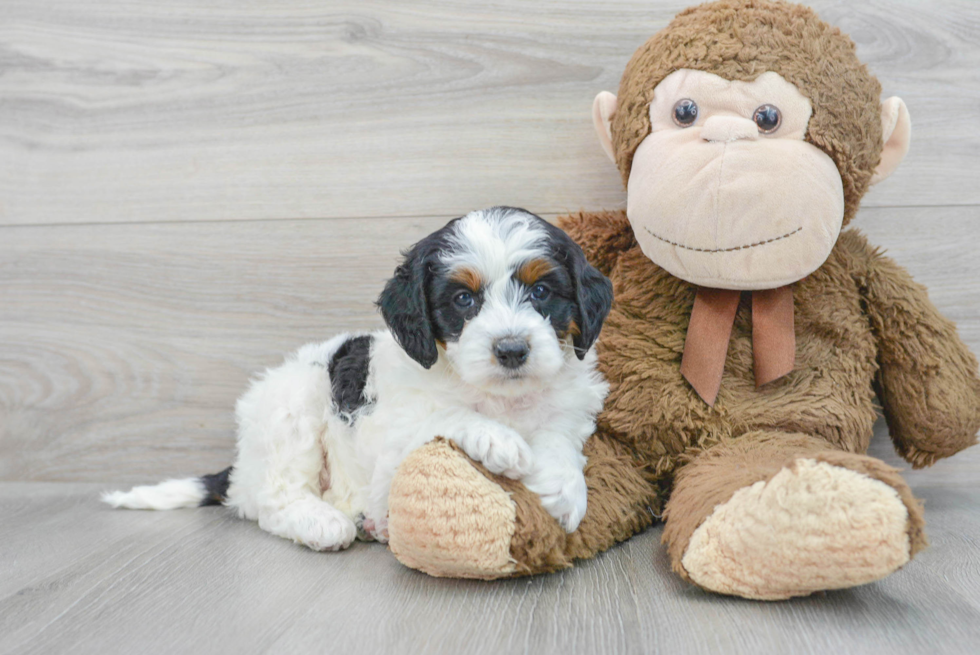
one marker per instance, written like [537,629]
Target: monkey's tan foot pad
[449,517]
[813,526]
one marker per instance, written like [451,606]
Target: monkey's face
[747,132]
[725,192]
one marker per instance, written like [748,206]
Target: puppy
[491,322]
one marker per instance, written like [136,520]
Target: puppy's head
[506,295]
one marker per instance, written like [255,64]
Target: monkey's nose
[725,129]
[511,352]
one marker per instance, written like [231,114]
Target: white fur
[169,494]
[530,426]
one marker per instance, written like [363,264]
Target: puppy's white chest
[522,413]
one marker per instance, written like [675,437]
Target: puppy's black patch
[215,487]
[348,370]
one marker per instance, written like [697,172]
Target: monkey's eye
[464,300]
[768,118]
[685,112]
[540,292]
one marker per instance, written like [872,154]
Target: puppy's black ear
[593,290]
[405,307]
[594,295]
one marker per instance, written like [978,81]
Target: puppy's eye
[464,300]
[540,292]
[685,112]
[768,118]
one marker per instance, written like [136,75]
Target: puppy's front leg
[558,478]
[496,446]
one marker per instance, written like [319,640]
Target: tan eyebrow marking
[468,278]
[531,271]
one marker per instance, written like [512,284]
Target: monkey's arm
[927,380]
[602,236]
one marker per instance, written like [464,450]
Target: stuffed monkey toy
[749,335]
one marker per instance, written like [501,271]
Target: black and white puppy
[491,322]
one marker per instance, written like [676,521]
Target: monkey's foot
[449,517]
[813,526]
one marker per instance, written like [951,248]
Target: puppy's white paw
[312,523]
[563,493]
[499,448]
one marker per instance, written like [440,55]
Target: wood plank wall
[190,188]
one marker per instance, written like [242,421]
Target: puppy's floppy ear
[593,290]
[405,307]
[594,296]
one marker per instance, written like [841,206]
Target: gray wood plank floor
[191,188]
[76,576]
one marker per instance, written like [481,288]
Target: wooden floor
[190,188]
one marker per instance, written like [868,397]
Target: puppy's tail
[171,494]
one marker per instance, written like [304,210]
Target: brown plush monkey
[748,337]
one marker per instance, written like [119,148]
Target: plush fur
[862,326]
[491,325]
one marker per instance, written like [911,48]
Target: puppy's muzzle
[511,352]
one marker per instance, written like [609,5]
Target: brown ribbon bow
[773,337]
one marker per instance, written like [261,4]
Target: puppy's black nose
[511,352]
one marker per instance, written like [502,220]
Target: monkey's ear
[603,109]
[896,134]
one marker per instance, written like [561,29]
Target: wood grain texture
[124,347]
[130,343]
[191,188]
[176,110]
[196,581]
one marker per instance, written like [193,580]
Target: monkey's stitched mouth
[709,250]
